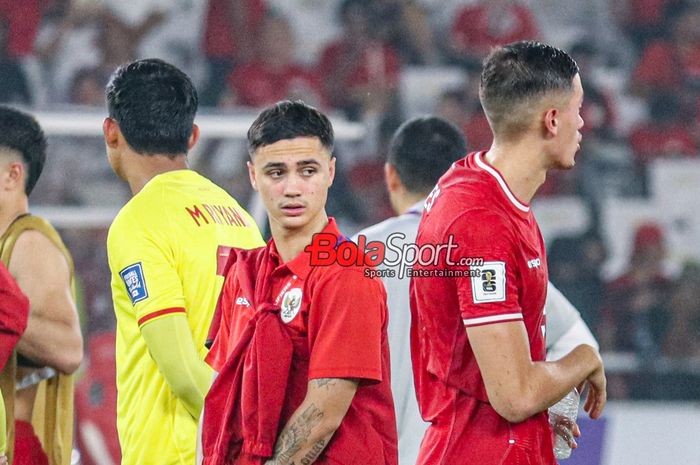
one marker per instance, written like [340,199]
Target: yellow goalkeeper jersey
[167,248]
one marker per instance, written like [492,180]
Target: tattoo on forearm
[313,454]
[296,434]
[325,382]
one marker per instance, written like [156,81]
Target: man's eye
[275,173]
[308,171]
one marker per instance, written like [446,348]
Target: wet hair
[289,120]
[422,149]
[21,132]
[154,104]
[516,76]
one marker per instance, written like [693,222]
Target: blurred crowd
[363,60]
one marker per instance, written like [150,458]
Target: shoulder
[35,252]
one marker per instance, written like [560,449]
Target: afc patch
[489,282]
[132,276]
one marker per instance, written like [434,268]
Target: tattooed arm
[312,425]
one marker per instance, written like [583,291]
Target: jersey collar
[301,264]
[481,162]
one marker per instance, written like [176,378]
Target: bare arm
[517,387]
[315,421]
[53,333]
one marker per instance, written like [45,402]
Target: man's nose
[292,186]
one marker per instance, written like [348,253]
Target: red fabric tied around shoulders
[243,407]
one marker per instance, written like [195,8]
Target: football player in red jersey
[478,336]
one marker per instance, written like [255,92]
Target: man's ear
[194,137]
[111,131]
[331,169]
[251,175]
[12,176]
[551,122]
[391,178]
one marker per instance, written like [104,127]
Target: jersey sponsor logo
[534,263]
[489,282]
[135,284]
[242,301]
[291,304]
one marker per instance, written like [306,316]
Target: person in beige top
[38,393]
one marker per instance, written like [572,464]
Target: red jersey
[337,320]
[473,204]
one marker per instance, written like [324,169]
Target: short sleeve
[144,270]
[347,317]
[488,289]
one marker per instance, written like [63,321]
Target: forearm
[546,383]
[313,424]
[303,438]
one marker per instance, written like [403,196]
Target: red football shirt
[473,204]
[337,320]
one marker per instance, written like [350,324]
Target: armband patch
[489,282]
[132,276]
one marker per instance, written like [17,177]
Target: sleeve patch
[135,284]
[489,282]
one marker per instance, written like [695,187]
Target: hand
[565,428]
[597,393]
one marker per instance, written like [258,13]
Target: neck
[291,242]
[521,166]
[10,211]
[404,202]
[139,169]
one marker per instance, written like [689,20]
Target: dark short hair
[517,74]
[422,149]
[154,104]
[289,120]
[21,132]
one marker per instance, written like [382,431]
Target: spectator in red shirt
[668,63]
[23,19]
[273,75]
[667,134]
[360,71]
[487,23]
[644,19]
[230,32]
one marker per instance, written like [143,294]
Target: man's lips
[293,209]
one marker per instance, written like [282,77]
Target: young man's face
[570,124]
[293,177]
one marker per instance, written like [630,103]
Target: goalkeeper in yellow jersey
[167,249]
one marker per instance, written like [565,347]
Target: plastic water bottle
[567,408]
